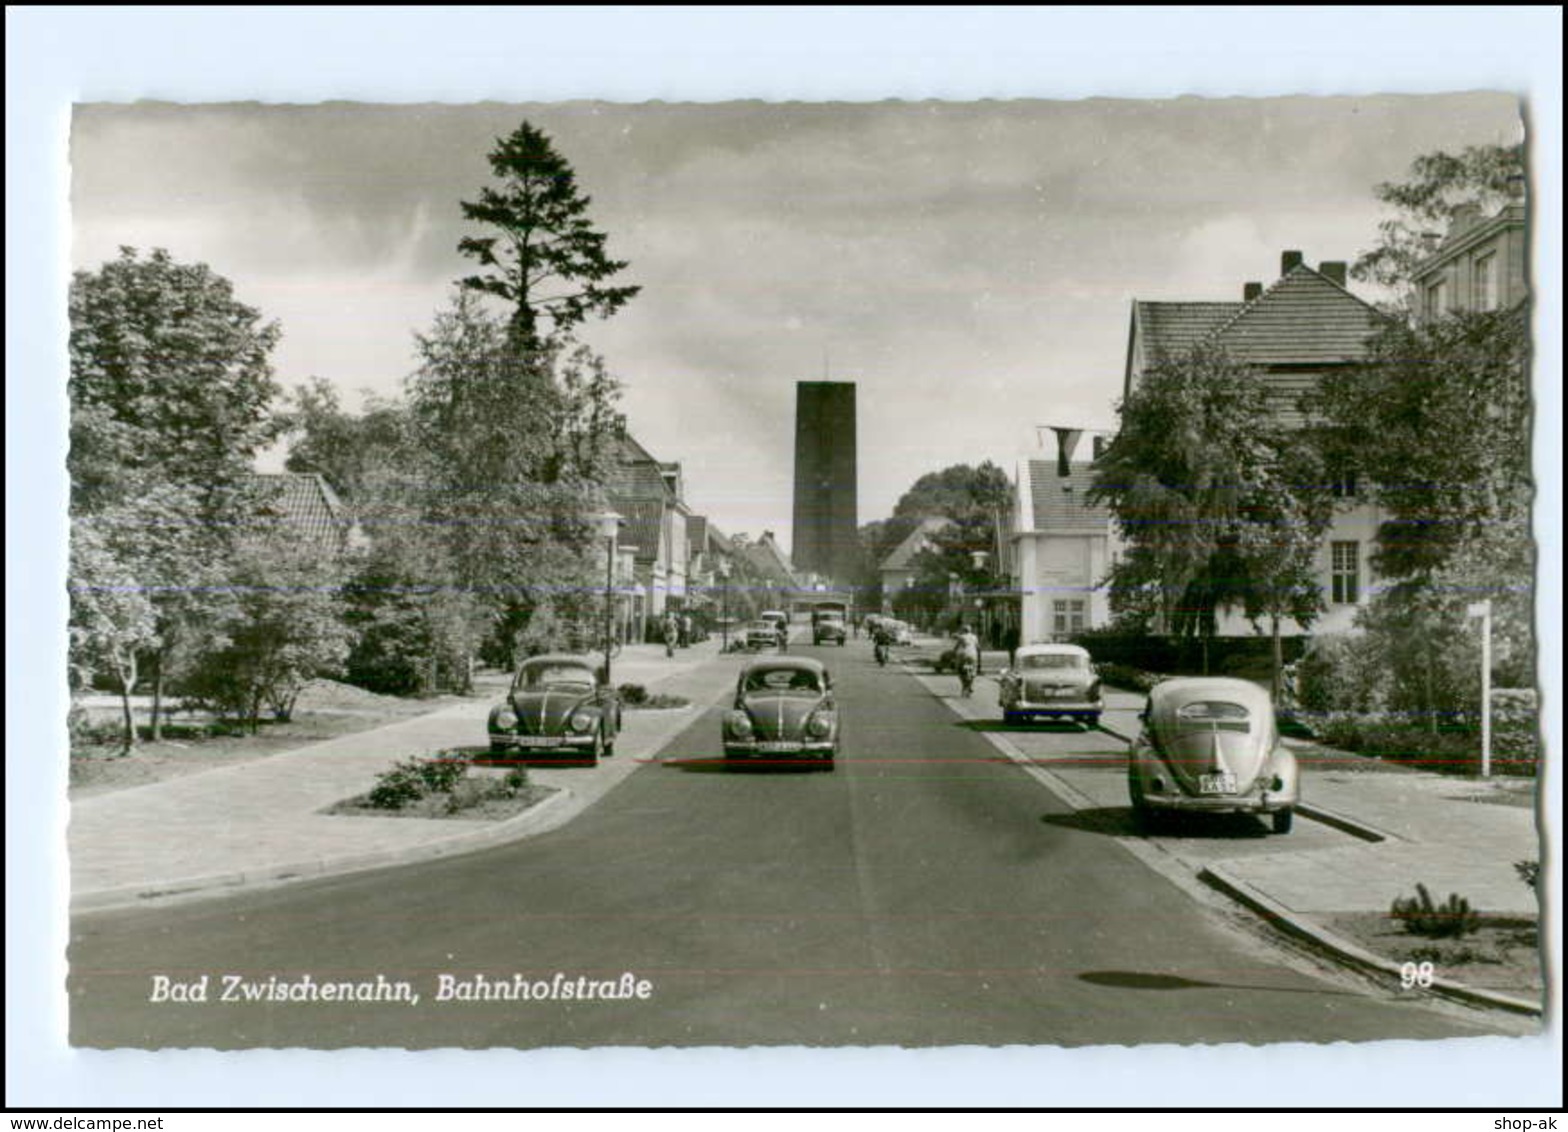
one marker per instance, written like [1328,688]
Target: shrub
[1126,676]
[1418,915]
[633,695]
[409,781]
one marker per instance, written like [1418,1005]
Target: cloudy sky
[969,264]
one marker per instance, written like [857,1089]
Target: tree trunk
[156,735]
[126,671]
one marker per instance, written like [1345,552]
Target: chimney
[1288,260]
[1333,269]
[1250,291]
[1099,447]
[1464,217]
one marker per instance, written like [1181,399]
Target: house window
[1345,572]
[1342,483]
[1486,282]
[1437,298]
[1068,618]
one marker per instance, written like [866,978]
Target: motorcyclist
[883,639]
[966,655]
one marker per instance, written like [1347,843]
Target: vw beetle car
[784,714]
[1051,681]
[1210,744]
[557,712]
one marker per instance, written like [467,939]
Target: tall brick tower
[825,500]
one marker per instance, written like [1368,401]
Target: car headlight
[504,719]
[739,724]
[581,720]
[820,725]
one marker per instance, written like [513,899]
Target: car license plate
[537,741]
[775,748]
[1216,784]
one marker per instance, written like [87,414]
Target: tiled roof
[1174,328]
[644,524]
[697,533]
[912,545]
[1302,319]
[1062,501]
[300,506]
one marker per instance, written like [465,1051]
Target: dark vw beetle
[784,714]
[1210,744]
[557,712]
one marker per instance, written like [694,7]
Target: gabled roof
[769,561]
[644,526]
[697,532]
[1172,329]
[914,543]
[635,474]
[300,506]
[1303,318]
[1061,502]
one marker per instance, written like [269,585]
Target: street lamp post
[608,523]
[723,565]
[1482,610]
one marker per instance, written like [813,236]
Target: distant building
[825,541]
[1293,333]
[897,569]
[1479,265]
[648,495]
[302,508]
[1063,547]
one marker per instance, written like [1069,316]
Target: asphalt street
[927,892]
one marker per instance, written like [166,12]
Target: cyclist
[966,654]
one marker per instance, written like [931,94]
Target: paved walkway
[262,822]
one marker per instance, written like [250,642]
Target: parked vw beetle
[558,711]
[1211,744]
[784,714]
[1051,681]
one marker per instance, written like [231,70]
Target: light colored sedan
[1051,682]
[1211,744]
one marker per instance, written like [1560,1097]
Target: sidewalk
[1370,833]
[260,822]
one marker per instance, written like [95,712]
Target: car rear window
[1215,715]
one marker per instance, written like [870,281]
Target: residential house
[772,575]
[302,508]
[898,569]
[1479,265]
[1306,325]
[1062,550]
[648,495]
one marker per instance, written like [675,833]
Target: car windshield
[1054,660]
[554,675]
[794,681]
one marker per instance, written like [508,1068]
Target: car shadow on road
[717,764]
[1054,727]
[1118,821]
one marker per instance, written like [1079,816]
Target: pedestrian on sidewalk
[672,634]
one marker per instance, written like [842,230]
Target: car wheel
[1283,820]
[1092,720]
[596,752]
[1142,812]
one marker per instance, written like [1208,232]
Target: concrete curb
[539,815]
[1349,953]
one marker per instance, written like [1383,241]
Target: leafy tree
[345,449]
[170,381]
[1439,184]
[284,628]
[171,391]
[548,261]
[112,618]
[1216,502]
[954,491]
